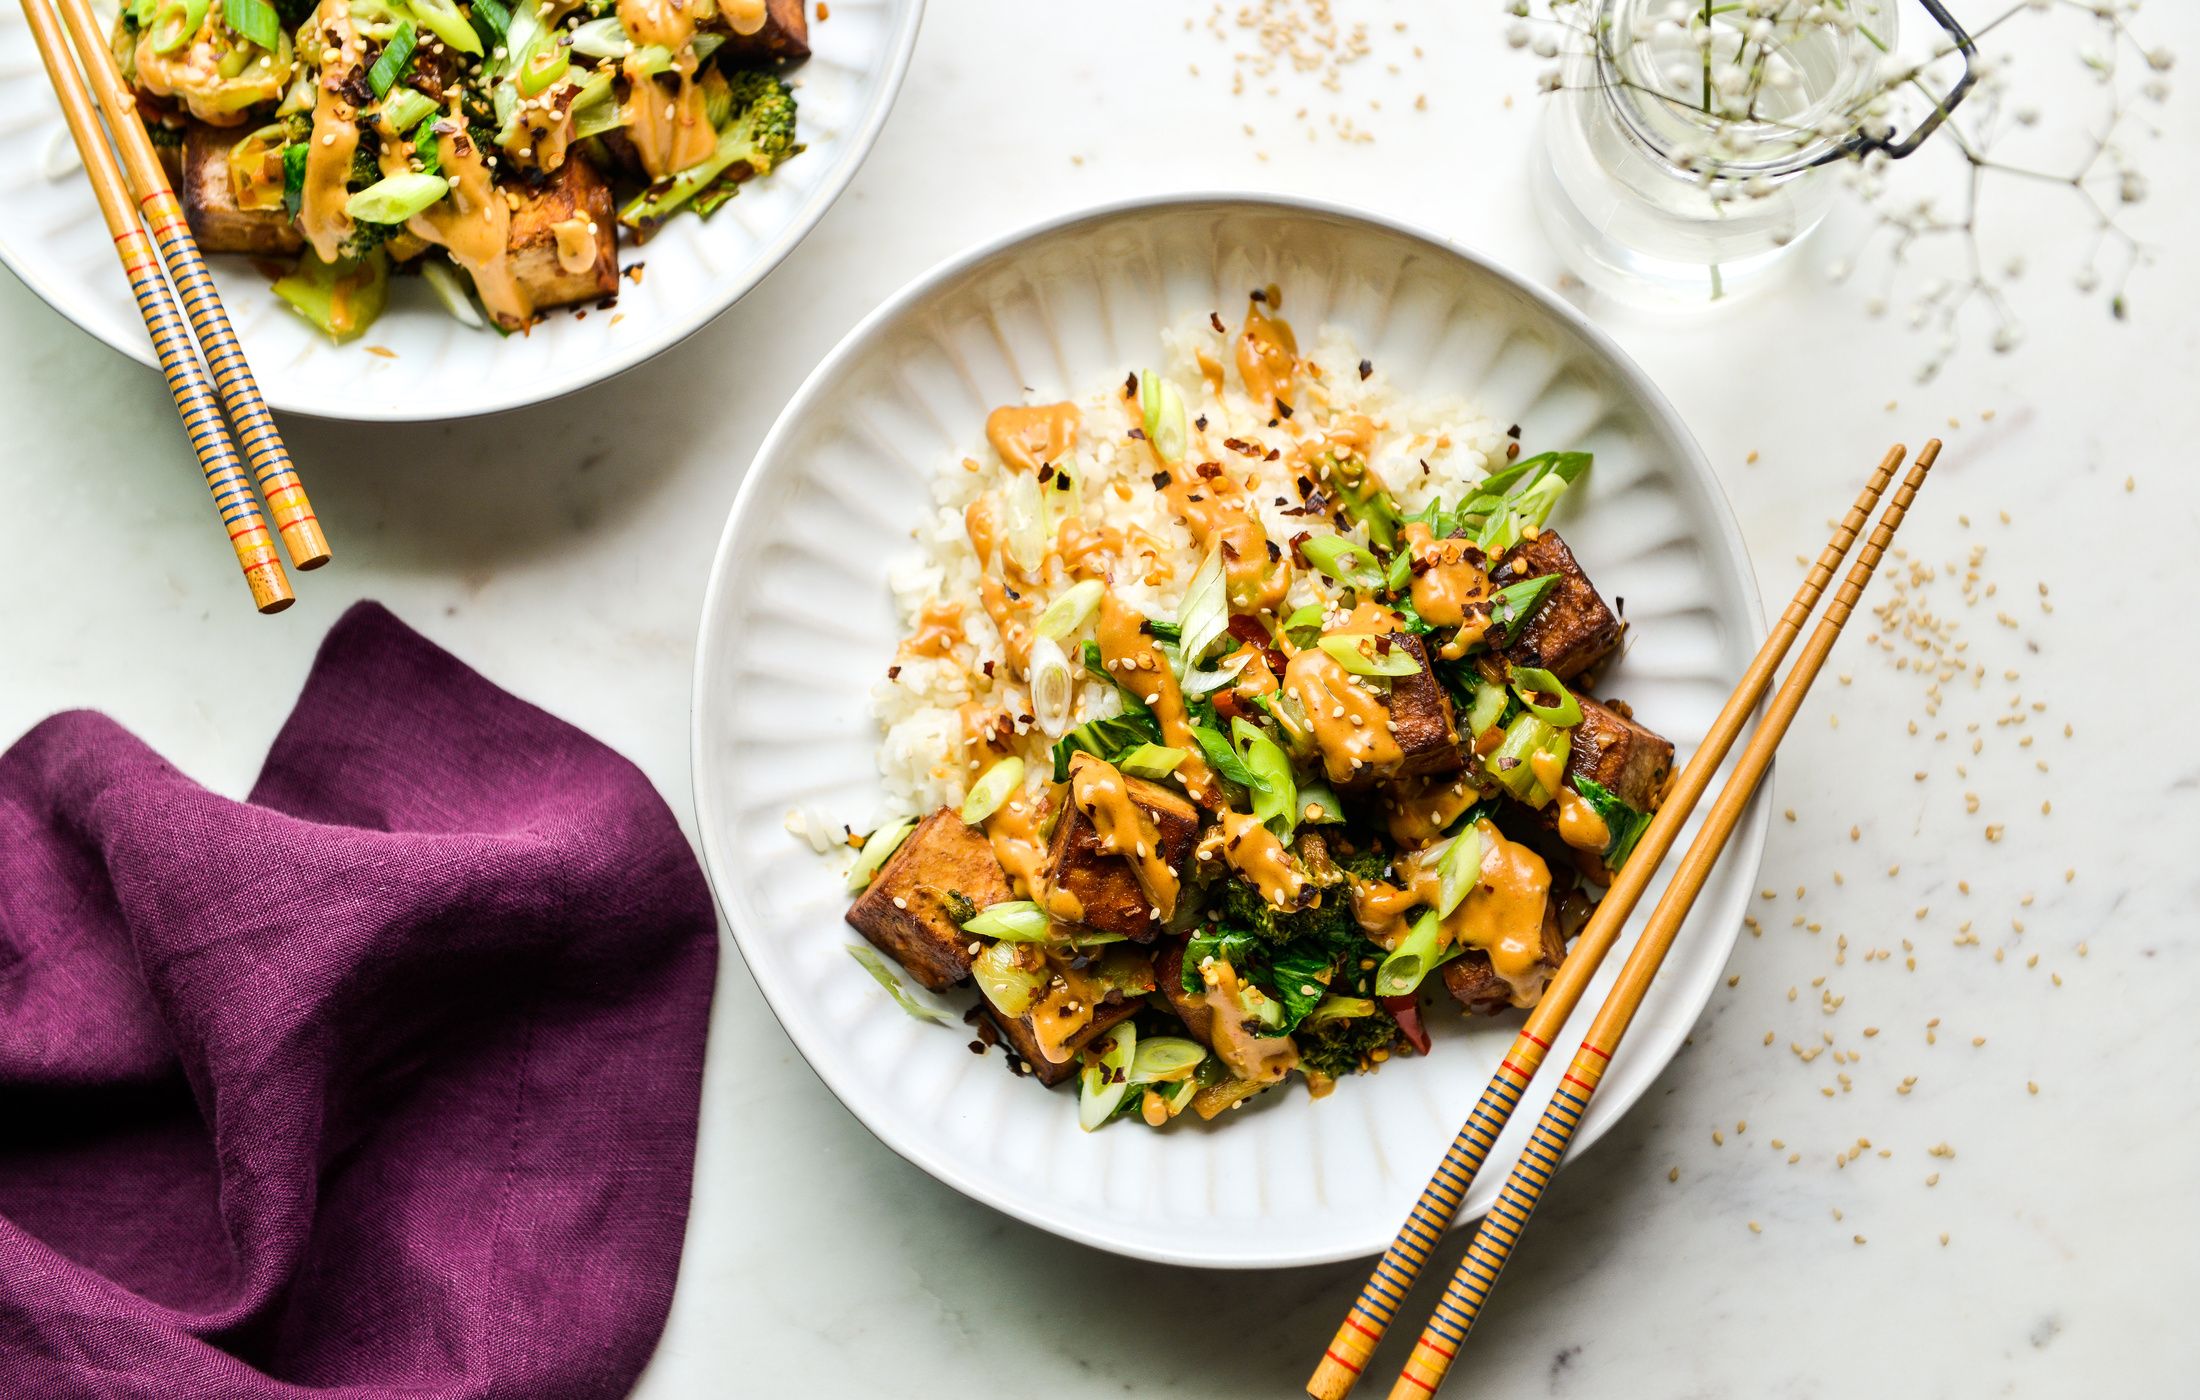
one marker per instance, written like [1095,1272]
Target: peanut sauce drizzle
[1131,655]
[472,221]
[1260,1058]
[1350,722]
[1122,828]
[1255,852]
[1267,353]
[1502,915]
[335,135]
[938,631]
[670,133]
[1028,437]
[1426,809]
[1579,824]
[1449,589]
[1062,1009]
[1221,514]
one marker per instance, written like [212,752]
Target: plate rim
[723,871]
[901,44]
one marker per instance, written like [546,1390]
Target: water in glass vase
[1685,152]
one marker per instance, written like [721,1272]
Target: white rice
[1424,446]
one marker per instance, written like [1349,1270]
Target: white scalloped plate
[798,624]
[52,238]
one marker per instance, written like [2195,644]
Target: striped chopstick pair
[147,224]
[1395,1273]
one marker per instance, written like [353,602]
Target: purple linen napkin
[381,1083]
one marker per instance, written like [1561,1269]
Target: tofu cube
[1573,629]
[909,908]
[1477,987]
[585,266]
[1105,885]
[784,38]
[1420,713]
[1025,1042]
[218,223]
[1626,759]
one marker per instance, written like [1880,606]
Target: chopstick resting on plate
[1499,1233]
[199,396]
[1439,1203]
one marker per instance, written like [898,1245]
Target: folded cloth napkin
[383,1082]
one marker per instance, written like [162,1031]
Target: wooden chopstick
[179,362]
[157,205]
[1363,1327]
[1499,1232]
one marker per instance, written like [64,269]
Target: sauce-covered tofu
[910,908]
[1573,629]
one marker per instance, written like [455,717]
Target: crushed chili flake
[1283,409]
[1130,384]
[1260,295]
[1367,367]
[1242,447]
[1214,318]
[1160,481]
[1513,431]
[893,673]
[1138,434]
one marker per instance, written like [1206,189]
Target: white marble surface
[564,553]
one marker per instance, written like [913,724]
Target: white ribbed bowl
[51,237]
[798,625]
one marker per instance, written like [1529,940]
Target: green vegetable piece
[1513,605]
[876,848]
[1222,758]
[1335,1008]
[175,22]
[395,58]
[1151,761]
[1458,868]
[443,19]
[1165,1058]
[1105,1078]
[1546,697]
[543,68]
[1162,409]
[1414,958]
[872,963]
[1005,980]
[992,789]
[255,21]
[1625,823]
[396,198]
[1275,796]
[1319,804]
[758,138]
[1340,559]
[1071,610]
[1363,655]
[1010,921]
[342,298]
[1511,762]
[1486,708]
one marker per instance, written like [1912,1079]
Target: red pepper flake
[1273,454]
[1200,422]
[634,274]
[1260,295]
[1209,470]
[1367,367]
[1241,447]
[1214,318]
[1138,434]
[893,673]
[1283,408]
[1160,481]
[1298,555]
[1513,431]
[1130,385]
[989,670]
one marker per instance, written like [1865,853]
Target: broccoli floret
[1342,1046]
[755,141]
[1326,924]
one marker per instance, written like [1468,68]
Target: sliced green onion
[1011,921]
[1398,574]
[594,111]
[1414,958]
[1204,613]
[1165,1058]
[1510,762]
[1262,1007]
[442,19]
[1195,682]
[1513,605]
[1486,708]
[1023,522]
[1105,1078]
[450,290]
[1308,618]
[1319,804]
[1348,563]
[1152,762]
[175,22]
[543,68]
[602,38]
[876,848]
[403,109]
[1180,1094]
[992,789]
[1362,655]
[1065,499]
[1336,1008]
[396,198]
[1096,938]
[1275,795]
[395,57]
[342,298]
[1162,409]
[1221,757]
[255,21]
[1533,685]
[1457,869]
[1006,980]
[867,955]
[1071,610]
[1053,687]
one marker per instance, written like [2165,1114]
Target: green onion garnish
[1152,761]
[1457,869]
[1275,795]
[1105,1078]
[403,109]
[175,21]
[394,58]
[1546,696]
[1162,408]
[1512,606]
[1336,1008]
[1486,709]
[867,955]
[1011,921]
[1071,610]
[1165,1058]
[543,68]
[1348,563]
[254,20]
[1362,655]
[396,198]
[992,789]
[1400,974]
[881,844]
[1204,613]
[442,19]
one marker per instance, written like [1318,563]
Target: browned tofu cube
[210,205]
[785,36]
[1104,885]
[1420,713]
[1573,629]
[1477,987]
[909,908]
[1025,1042]
[1626,759]
[563,247]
